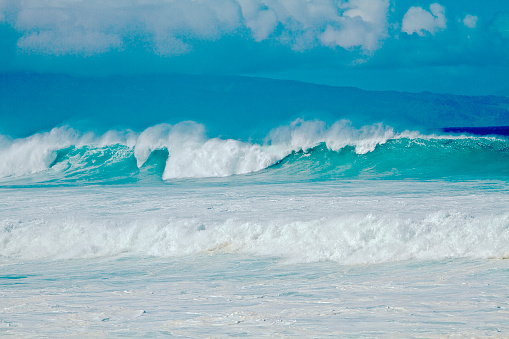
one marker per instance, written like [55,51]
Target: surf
[350,224]
[301,150]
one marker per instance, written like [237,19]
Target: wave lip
[302,149]
[190,152]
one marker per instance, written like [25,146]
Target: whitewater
[181,205]
[316,229]
[311,149]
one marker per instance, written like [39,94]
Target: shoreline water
[232,295]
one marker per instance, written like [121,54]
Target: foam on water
[352,239]
[37,153]
[296,235]
[348,224]
[67,154]
[255,220]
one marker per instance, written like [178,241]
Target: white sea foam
[149,140]
[35,153]
[303,135]
[351,239]
[219,254]
[216,158]
[192,153]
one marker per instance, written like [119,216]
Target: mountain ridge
[229,106]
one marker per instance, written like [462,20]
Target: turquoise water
[340,151]
[316,223]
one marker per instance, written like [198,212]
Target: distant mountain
[504,92]
[229,106]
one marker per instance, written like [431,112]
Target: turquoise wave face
[423,159]
[112,163]
[400,158]
[115,164]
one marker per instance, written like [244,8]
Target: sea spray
[309,148]
[367,238]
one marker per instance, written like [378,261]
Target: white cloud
[418,20]
[364,23]
[93,26]
[470,21]
[305,24]
[261,20]
[3,5]
[85,42]
[171,27]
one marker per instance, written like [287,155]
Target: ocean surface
[315,222]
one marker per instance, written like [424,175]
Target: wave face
[406,158]
[302,150]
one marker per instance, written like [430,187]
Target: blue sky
[459,47]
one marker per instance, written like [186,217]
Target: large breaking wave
[302,149]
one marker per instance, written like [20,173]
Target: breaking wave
[302,149]
[352,239]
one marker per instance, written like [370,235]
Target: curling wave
[307,149]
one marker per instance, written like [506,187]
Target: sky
[459,47]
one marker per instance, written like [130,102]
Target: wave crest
[311,147]
[303,135]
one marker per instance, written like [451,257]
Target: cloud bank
[418,20]
[171,27]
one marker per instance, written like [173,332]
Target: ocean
[332,212]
